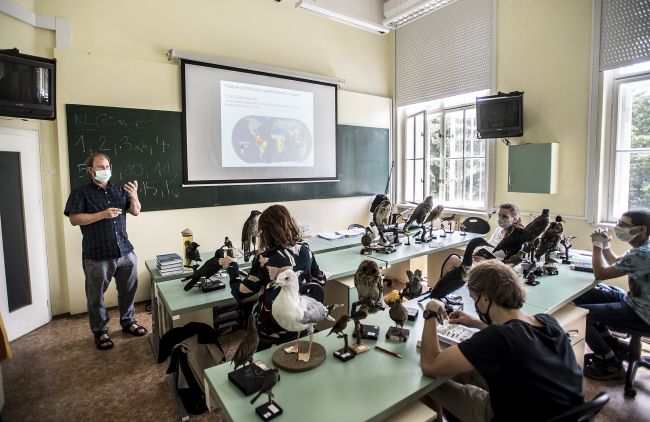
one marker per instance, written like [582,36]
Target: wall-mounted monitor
[27,86]
[500,116]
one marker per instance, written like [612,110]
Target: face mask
[504,223]
[623,233]
[484,317]
[102,176]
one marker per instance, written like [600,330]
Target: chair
[635,360]
[476,225]
[585,412]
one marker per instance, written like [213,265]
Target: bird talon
[304,357]
[291,349]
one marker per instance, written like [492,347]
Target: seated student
[610,306]
[280,240]
[527,361]
[509,218]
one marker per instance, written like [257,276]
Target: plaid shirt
[106,238]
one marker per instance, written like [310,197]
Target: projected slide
[266,126]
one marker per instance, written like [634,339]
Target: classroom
[466,122]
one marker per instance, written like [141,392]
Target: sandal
[135,329]
[103,343]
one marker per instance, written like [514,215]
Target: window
[442,156]
[627,150]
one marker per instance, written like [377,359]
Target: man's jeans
[98,276]
[607,308]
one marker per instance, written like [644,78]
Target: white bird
[297,313]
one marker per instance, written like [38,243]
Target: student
[610,306]
[527,361]
[282,249]
[99,209]
[508,219]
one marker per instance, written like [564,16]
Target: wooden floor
[57,374]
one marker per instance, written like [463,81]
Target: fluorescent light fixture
[400,12]
[321,8]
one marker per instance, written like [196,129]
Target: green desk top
[178,301]
[555,291]
[343,262]
[371,386]
[414,250]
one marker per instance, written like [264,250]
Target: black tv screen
[27,86]
[500,116]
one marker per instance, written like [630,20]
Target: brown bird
[368,282]
[339,325]
[381,216]
[414,286]
[366,239]
[435,213]
[535,228]
[249,233]
[420,213]
[550,240]
[517,258]
[248,345]
[398,312]
[271,377]
[449,218]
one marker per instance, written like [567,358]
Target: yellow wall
[117,58]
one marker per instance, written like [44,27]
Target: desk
[332,392]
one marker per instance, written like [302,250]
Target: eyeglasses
[624,224]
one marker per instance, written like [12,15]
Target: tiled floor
[57,374]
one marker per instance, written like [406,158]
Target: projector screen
[244,127]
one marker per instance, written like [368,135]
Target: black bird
[516,259]
[271,377]
[512,243]
[414,287]
[535,228]
[455,278]
[249,233]
[381,216]
[398,312]
[229,249]
[369,286]
[248,345]
[339,325]
[421,213]
[192,253]
[207,270]
[550,240]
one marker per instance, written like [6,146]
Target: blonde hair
[499,282]
[278,228]
[516,217]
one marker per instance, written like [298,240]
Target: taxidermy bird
[339,325]
[414,287]
[435,213]
[297,313]
[517,258]
[381,216]
[550,240]
[449,218]
[207,270]
[455,278]
[271,377]
[249,233]
[420,213]
[248,345]
[366,239]
[535,228]
[229,249]
[398,312]
[192,253]
[368,283]
[512,243]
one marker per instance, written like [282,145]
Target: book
[170,258]
[171,272]
[330,236]
[357,231]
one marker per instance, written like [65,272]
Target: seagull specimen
[550,240]
[249,233]
[271,377]
[248,345]
[455,278]
[297,313]
[381,216]
[192,253]
[420,213]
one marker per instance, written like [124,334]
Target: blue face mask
[485,317]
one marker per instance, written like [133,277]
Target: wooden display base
[268,411]
[398,334]
[344,354]
[290,363]
[368,332]
[249,379]
[359,348]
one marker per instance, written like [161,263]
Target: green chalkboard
[145,145]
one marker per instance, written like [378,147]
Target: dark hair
[499,282]
[639,218]
[278,228]
[90,161]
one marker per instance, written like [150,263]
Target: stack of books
[169,264]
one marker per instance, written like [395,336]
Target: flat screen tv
[500,116]
[27,86]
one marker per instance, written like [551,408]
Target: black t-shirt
[532,373]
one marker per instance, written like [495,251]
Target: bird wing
[314,311]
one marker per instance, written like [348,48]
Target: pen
[397,355]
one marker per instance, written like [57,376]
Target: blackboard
[145,145]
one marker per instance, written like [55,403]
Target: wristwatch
[428,313]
